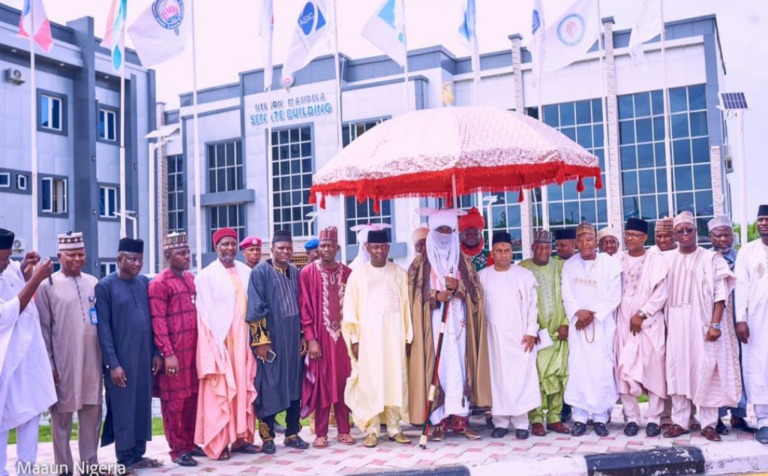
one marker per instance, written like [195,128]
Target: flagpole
[196,157]
[123,215]
[665,93]
[33,128]
[342,207]
[544,188]
[405,68]
[606,148]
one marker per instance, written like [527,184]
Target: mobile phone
[271,357]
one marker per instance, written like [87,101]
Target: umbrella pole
[433,386]
[455,201]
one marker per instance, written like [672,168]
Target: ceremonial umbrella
[453,150]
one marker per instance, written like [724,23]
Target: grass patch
[44,433]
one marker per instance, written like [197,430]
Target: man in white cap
[363,256]
[702,356]
[721,236]
[446,277]
[67,305]
[608,240]
[752,325]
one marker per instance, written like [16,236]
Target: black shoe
[521,434]
[279,428]
[652,430]
[741,424]
[631,429]
[296,442]
[578,429]
[601,429]
[198,452]
[268,447]
[499,433]
[762,435]
[565,415]
[720,428]
[489,422]
[185,460]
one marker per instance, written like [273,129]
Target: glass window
[295,177]
[21,182]
[645,156]
[225,168]
[107,125]
[683,178]
[628,157]
[50,112]
[681,152]
[627,132]
[699,124]
[642,105]
[626,107]
[678,100]
[108,202]
[680,126]
[5,180]
[176,203]
[567,116]
[697,97]
[583,112]
[53,194]
[107,268]
[644,130]
[227,216]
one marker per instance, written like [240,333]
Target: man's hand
[55,378]
[314,350]
[304,347]
[713,334]
[157,364]
[562,333]
[636,324]
[30,259]
[585,318]
[43,271]
[171,366]
[355,348]
[444,296]
[451,284]
[118,377]
[742,332]
[262,352]
[528,342]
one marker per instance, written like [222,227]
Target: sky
[228,43]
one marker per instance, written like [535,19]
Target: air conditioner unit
[19,245]
[15,76]
[728,163]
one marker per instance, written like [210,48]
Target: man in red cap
[471,228]
[251,248]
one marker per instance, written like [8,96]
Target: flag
[266,32]
[647,27]
[41,30]
[572,35]
[313,34]
[386,30]
[468,34]
[537,40]
[114,37]
[162,31]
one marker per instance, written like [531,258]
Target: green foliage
[752,233]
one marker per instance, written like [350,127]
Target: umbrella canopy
[480,148]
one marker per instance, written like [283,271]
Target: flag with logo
[468,34]
[41,30]
[114,37]
[537,39]
[266,32]
[571,36]
[162,31]
[386,30]
[312,35]
[647,27]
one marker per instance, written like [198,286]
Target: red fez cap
[222,233]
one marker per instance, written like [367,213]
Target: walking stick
[431,396]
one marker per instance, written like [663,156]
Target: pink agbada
[225,363]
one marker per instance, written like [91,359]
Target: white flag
[162,31]
[266,32]
[385,30]
[571,36]
[468,34]
[536,47]
[647,27]
[313,34]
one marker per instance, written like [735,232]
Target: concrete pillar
[615,215]
[718,185]
[525,207]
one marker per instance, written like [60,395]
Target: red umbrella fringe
[510,178]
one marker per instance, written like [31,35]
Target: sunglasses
[685,231]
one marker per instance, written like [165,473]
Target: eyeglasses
[630,235]
[685,231]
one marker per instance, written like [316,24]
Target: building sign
[298,107]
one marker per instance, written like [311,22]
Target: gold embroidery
[259,333]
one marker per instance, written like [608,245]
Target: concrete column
[718,182]
[161,187]
[615,215]
[525,207]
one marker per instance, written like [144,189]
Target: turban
[129,245]
[586,228]
[175,241]
[684,218]
[250,241]
[608,231]
[502,237]
[762,211]
[665,225]
[282,236]
[542,236]
[378,236]
[719,222]
[636,224]
[6,239]
[329,234]
[222,233]
[566,234]
[312,244]
[419,234]
[437,218]
[473,219]
[71,241]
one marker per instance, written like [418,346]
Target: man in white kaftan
[511,308]
[26,377]
[591,293]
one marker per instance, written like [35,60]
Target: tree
[752,233]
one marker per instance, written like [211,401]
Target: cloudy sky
[227,39]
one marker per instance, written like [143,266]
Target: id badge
[94,316]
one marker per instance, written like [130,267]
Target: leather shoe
[578,429]
[741,424]
[601,429]
[558,428]
[652,430]
[296,442]
[521,434]
[675,431]
[268,447]
[631,429]
[538,429]
[762,435]
[198,452]
[499,433]
[720,428]
[710,433]
[185,460]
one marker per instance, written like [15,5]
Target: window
[225,167]
[5,180]
[107,125]
[54,195]
[292,179]
[352,131]
[643,158]
[107,268]
[175,204]
[228,216]
[21,182]
[107,202]
[51,113]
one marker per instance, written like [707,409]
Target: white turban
[419,234]
[608,231]
[443,249]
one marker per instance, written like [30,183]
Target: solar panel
[733,101]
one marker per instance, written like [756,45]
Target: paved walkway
[534,453]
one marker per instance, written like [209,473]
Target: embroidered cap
[665,225]
[720,221]
[542,236]
[71,240]
[175,241]
[329,234]
[586,228]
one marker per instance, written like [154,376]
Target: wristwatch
[642,314]
[715,326]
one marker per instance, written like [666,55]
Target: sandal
[147,463]
[247,448]
[345,439]
[320,442]
[224,456]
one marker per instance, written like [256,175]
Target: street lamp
[311,216]
[163,135]
[489,201]
[130,215]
